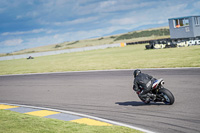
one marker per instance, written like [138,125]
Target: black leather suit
[145,81]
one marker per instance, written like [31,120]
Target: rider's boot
[153,97]
[147,99]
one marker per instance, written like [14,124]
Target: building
[185,27]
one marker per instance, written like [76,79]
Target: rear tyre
[167,95]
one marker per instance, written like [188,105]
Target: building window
[181,22]
[197,20]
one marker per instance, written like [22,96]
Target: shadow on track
[136,103]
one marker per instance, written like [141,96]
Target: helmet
[136,72]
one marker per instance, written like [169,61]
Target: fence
[61,51]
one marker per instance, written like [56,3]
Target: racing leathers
[144,82]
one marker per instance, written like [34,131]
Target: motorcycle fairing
[156,83]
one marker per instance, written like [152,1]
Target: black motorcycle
[158,93]
[30,57]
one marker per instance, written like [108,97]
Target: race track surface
[109,95]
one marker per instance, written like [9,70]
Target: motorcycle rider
[144,82]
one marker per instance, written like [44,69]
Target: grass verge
[129,57]
[13,122]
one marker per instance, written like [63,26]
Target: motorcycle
[30,57]
[158,93]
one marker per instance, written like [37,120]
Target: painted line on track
[79,118]
[50,113]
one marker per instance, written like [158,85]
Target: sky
[33,23]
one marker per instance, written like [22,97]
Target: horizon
[28,24]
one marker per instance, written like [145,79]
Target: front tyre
[167,95]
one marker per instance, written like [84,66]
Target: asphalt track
[109,95]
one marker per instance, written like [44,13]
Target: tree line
[159,32]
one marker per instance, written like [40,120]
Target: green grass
[129,57]
[13,122]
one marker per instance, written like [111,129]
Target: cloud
[76,21]
[158,15]
[107,4]
[13,42]
[34,31]
[69,36]
[31,14]
[111,6]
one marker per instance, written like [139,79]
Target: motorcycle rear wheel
[167,95]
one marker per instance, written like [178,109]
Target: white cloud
[76,21]
[158,15]
[112,6]
[13,42]
[31,14]
[44,40]
[34,31]
[107,4]
[68,36]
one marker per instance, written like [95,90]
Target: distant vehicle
[184,31]
[30,57]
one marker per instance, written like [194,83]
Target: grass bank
[129,57]
[13,122]
[134,36]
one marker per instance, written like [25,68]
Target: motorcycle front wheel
[167,95]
